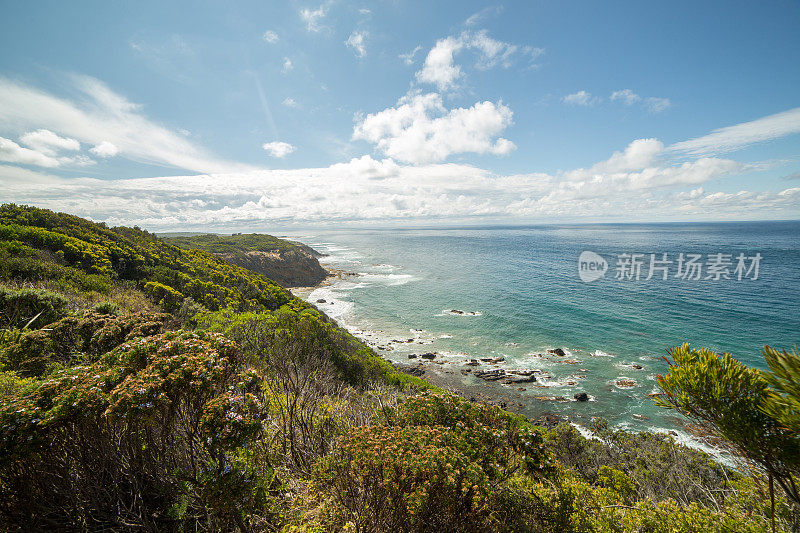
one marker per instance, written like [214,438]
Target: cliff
[288,263]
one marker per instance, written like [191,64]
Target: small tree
[737,405]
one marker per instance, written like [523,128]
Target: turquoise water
[521,294]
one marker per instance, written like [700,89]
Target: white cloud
[48,143]
[419,129]
[580,98]
[313,17]
[408,58]
[364,11]
[289,102]
[357,41]
[270,36]
[493,52]
[278,149]
[11,152]
[439,68]
[103,116]
[733,138]
[367,189]
[105,149]
[626,96]
[287,64]
[657,105]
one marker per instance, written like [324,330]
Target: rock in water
[581,397]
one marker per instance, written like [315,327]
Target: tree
[753,413]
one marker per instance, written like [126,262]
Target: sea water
[519,294]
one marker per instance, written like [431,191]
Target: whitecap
[386,279]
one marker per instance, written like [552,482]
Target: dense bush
[73,338]
[146,437]
[417,478]
[659,467]
[30,307]
[312,335]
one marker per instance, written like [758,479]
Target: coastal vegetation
[149,386]
[290,264]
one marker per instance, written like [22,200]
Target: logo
[591,266]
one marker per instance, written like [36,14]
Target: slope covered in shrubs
[162,389]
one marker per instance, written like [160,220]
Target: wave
[386,279]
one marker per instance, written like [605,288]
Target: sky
[254,115]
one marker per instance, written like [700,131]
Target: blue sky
[260,114]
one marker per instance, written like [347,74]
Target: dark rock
[412,356]
[510,380]
[321,301]
[558,351]
[581,397]
[429,355]
[412,370]
[637,367]
[472,362]
[490,375]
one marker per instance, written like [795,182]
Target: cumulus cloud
[48,143]
[357,42]
[739,136]
[313,17]
[441,70]
[102,115]
[287,64]
[278,148]
[289,102]
[105,149]
[580,98]
[419,129]
[626,96]
[270,36]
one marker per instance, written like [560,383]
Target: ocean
[516,292]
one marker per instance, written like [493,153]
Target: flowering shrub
[155,421]
[499,440]
[404,479]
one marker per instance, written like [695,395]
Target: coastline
[451,371]
[445,374]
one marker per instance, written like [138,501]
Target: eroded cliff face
[290,268]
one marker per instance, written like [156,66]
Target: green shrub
[106,308]
[404,479]
[19,307]
[73,338]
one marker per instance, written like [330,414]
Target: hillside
[145,386]
[288,263]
